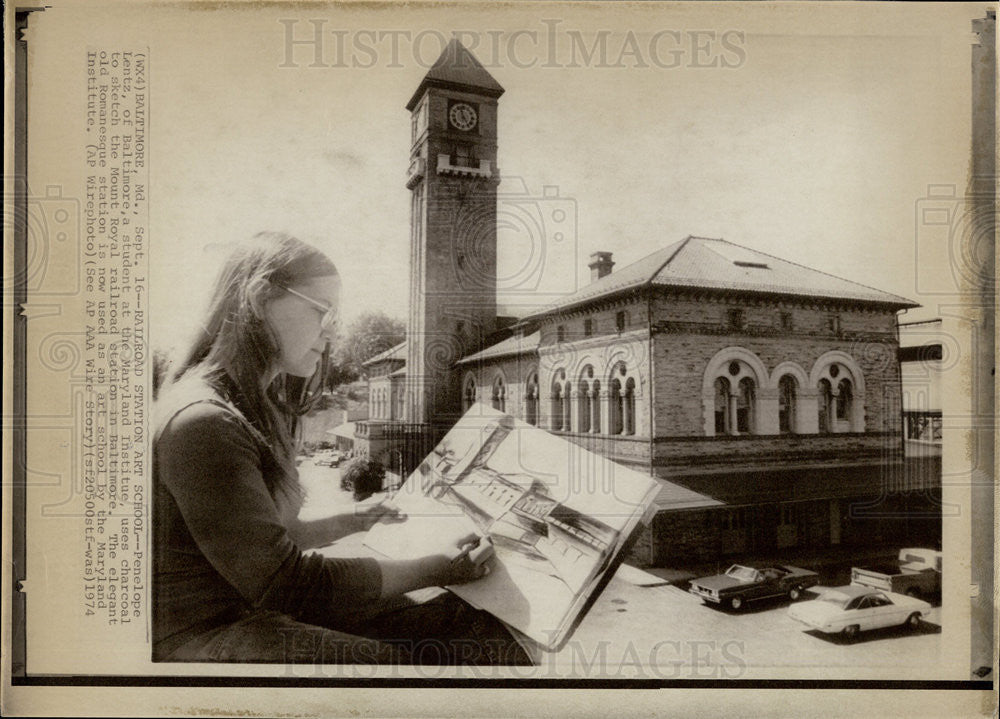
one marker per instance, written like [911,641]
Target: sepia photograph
[535,353]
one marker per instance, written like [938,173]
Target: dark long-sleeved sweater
[221,544]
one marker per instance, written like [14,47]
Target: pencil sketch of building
[516,511]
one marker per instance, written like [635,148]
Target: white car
[854,608]
[326,458]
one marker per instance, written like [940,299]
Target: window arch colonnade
[741,397]
[592,398]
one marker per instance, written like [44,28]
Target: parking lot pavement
[642,628]
[322,488]
[663,632]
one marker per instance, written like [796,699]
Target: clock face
[462,116]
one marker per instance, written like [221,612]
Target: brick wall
[688,333]
[683,536]
[776,450]
[603,317]
[514,371]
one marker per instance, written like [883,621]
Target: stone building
[767,386]
[765,394]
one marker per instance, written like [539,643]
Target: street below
[644,626]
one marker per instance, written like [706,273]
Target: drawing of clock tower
[453,179]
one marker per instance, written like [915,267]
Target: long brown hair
[235,350]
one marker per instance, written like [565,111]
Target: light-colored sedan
[854,608]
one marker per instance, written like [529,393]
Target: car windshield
[743,574]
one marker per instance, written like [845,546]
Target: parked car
[327,458]
[743,584]
[918,574]
[855,608]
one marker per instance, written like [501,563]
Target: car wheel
[851,632]
[735,603]
[794,593]
[913,621]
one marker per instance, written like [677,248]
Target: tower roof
[457,69]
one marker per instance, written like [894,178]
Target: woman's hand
[449,566]
[369,513]
[452,568]
[321,532]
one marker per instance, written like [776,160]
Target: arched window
[721,406]
[617,410]
[745,399]
[499,396]
[566,410]
[825,405]
[786,404]
[845,398]
[584,401]
[595,405]
[531,399]
[583,406]
[469,393]
[557,414]
[629,407]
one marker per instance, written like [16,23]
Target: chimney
[600,265]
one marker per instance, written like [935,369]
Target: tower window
[621,320]
[786,321]
[833,324]
[464,156]
[459,327]
[561,333]
[588,327]
[735,317]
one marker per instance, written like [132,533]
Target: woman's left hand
[369,513]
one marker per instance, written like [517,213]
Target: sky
[809,131]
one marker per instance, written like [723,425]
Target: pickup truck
[918,574]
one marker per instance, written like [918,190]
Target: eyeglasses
[329,318]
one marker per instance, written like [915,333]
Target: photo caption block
[87,472]
[115,444]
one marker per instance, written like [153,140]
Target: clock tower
[453,179]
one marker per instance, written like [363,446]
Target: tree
[364,476]
[371,333]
